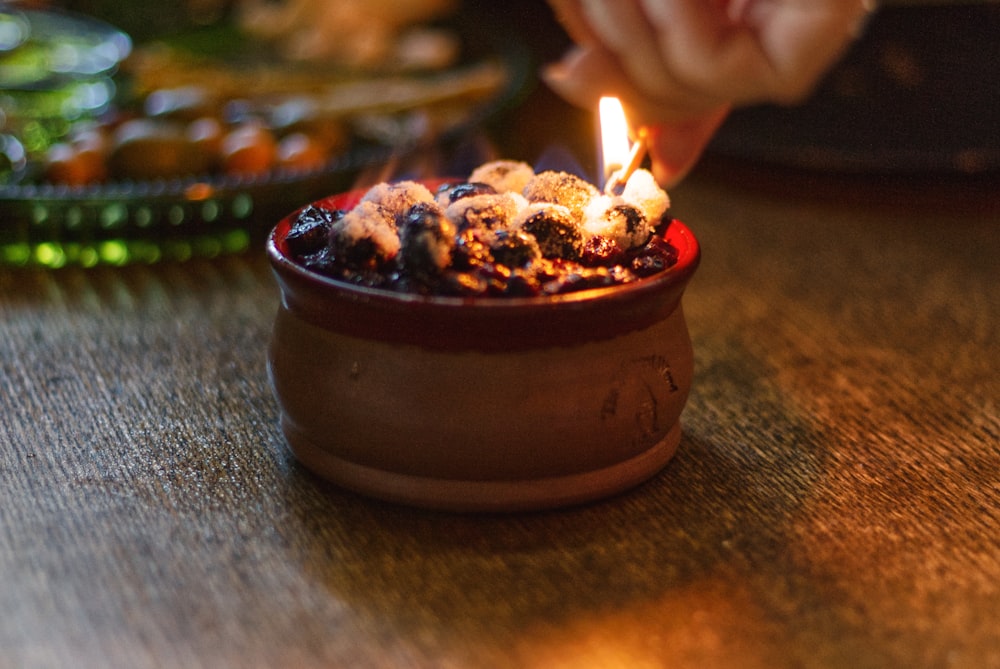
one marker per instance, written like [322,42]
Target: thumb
[675,146]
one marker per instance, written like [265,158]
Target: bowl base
[484,496]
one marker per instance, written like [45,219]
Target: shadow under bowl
[481,404]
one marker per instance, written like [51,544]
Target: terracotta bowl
[481,404]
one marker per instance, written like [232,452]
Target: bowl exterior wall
[514,429]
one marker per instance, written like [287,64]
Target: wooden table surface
[835,501]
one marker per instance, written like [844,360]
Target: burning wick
[618,161]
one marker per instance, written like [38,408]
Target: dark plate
[917,93]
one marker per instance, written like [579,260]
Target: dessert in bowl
[443,353]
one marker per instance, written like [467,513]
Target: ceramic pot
[481,404]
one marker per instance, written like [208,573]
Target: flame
[614,137]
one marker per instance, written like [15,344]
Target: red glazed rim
[478,323]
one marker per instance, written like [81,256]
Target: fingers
[571,18]
[707,48]
[625,31]
[587,73]
[753,50]
[582,77]
[674,148]
[801,41]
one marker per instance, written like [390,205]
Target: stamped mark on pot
[639,387]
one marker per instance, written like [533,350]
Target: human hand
[679,66]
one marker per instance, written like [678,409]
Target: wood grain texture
[835,501]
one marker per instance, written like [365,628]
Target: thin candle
[614,153]
[618,160]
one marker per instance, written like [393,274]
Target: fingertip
[675,148]
[570,16]
[559,72]
[576,77]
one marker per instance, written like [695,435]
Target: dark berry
[547,269]
[427,238]
[621,275]
[464,284]
[557,232]
[522,283]
[496,277]
[586,278]
[361,255]
[321,261]
[471,250]
[601,251]
[657,256]
[470,189]
[661,226]
[514,248]
[309,230]
[368,277]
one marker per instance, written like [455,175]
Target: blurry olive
[330,134]
[291,112]
[13,160]
[183,103]
[92,147]
[91,139]
[300,115]
[142,128]
[151,149]
[301,152]
[206,133]
[237,111]
[73,165]
[249,149]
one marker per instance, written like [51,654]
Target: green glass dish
[149,221]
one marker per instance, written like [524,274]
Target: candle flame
[614,136]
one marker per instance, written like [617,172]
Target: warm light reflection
[199,191]
[706,622]
[614,136]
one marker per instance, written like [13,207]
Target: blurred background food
[229,87]
[143,131]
